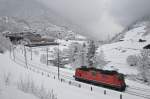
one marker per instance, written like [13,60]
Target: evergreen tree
[100,60]
[91,53]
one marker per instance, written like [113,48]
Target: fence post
[69,82]
[13,50]
[79,85]
[104,92]
[91,88]
[47,56]
[10,51]
[25,55]
[31,52]
[120,96]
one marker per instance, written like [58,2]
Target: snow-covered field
[117,53]
[63,90]
[13,93]
[67,88]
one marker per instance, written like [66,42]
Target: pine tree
[91,53]
[100,60]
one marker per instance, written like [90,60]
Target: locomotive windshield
[121,77]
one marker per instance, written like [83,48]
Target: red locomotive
[110,79]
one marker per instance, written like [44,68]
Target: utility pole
[47,56]
[31,52]
[10,51]
[25,56]
[58,58]
[13,52]
[83,55]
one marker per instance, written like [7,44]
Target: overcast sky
[98,19]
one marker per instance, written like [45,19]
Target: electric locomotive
[109,79]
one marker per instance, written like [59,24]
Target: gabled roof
[147,46]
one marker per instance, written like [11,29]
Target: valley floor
[62,90]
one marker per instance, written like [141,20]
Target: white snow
[14,93]
[117,53]
[63,90]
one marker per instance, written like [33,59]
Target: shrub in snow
[132,60]
[4,44]
[44,94]
[7,78]
[28,86]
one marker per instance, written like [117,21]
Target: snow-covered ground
[63,90]
[117,53]
[13,93]
[41,74]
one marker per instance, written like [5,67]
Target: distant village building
[147,46]
[28,38]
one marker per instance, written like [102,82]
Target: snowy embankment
[67,75]
[117,53]
[8,80]
[13,93]
[63,90]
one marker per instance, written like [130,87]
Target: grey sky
[95,18]
[101,17]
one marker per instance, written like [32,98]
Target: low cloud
[97,19]
[100,18]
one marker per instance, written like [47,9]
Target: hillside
[41,25]
[117,53]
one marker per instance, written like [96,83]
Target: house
[147,46]
[141,40]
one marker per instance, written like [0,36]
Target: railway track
[138,94]
[141,92]
[138,88]
[37,68]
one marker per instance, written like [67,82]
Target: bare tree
[144,65]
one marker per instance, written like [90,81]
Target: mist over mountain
[98,19]
[101,18]
[21,8]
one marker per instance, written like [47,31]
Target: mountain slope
[117,53]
